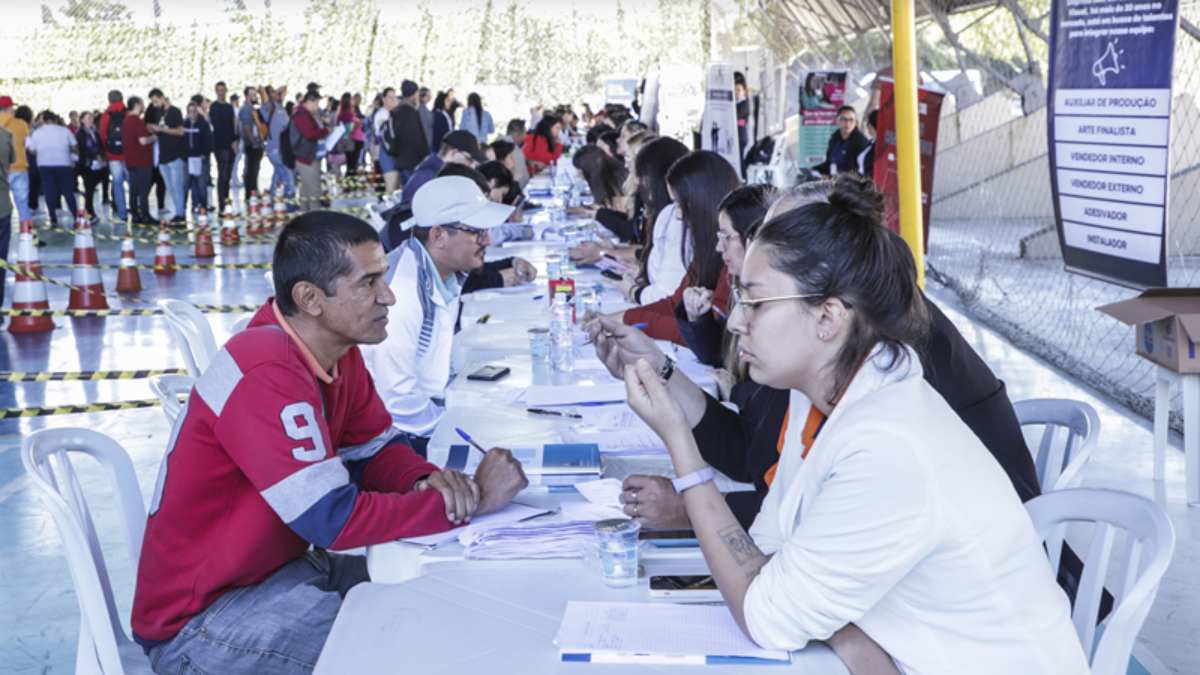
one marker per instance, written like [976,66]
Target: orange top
[313,365]
[811,426]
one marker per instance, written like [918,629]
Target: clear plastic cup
[589,301]
[554,265]
[539,344]
[617,546]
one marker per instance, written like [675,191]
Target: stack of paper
[541,396]
[535,541]
[628,632]
[632,441]
[513,513]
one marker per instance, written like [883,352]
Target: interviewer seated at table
[411,367]
[889,531]
[283,451]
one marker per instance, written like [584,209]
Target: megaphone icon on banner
[1107,63]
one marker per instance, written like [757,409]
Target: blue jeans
[58,181]
[198,185]
[282,176]
[18,183]
[277,626]
[175,176]
[118,175]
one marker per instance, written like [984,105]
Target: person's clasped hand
[619,345]
[500,477]
[653,501]
[459,493]
[586,253]
[697,301]
[521,272]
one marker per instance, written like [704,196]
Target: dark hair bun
[854,196]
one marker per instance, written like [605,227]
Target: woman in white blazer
[889,530]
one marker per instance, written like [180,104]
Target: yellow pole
[908,153]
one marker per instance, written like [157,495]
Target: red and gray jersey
[264,461]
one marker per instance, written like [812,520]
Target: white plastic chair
[1146,551]
[1060,464]
[168,389]
[103,645]
[192,333]
[240,324]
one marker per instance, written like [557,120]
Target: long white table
[497,617]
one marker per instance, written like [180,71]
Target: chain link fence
[993,243]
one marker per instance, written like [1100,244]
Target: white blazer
[902,523]
[412,386]
[665,267]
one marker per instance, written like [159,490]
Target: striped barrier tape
[215,232]
[148,311]
[177,266]
[86,375]
[28,271]
[38,411]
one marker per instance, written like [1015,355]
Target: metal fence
[993,242]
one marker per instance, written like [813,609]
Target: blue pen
[641,326]
[470,440]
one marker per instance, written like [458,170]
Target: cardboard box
[1168,325]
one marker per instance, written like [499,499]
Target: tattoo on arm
[743,549]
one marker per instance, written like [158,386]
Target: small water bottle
[562,335]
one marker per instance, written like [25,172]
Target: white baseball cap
[449,200]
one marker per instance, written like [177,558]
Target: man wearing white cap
[411,368]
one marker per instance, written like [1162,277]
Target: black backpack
[113,138]
[286,154]
[391,144]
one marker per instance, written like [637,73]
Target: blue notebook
[554,459]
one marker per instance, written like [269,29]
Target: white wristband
[693,479]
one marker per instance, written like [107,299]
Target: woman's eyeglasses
[747,305]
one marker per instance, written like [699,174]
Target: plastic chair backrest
[46,456]
[1060,464]
[168,389]
[192,332]
[1145,551]
[240,325]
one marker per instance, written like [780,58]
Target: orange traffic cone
[29,291]
[204,242]
[87,290]
[164,256]
[128,279]
[253,222]
[229,231]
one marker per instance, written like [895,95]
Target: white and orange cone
[87,290]
[128,279]
[281,214]
[229,231]
[29,291]
[164,255]
[204,242]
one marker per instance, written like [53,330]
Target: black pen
[543,411]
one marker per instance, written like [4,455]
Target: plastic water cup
[539,344]
[617,545]
[554,265]
[589,301]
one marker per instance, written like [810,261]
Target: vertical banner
[929,114]
[649,114]
[1109,127]
[719,129]
[823,92]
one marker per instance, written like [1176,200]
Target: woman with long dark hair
[443,123]
[697,183]
[542,147]
[348,114]
[664,260]
[477,120]
[91,160]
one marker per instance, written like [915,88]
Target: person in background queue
[845,145]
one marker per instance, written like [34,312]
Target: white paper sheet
[508,515]
[603,492]
[639,441]
[539,396]
[656,628]
[335,134]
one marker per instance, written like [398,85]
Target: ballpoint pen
[470,440]
[556,413]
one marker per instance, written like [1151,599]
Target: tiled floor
[39,619]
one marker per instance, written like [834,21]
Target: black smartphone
[609,274]
[489,374]
[692,587]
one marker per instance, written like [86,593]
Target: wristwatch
[667,370]
[693,479]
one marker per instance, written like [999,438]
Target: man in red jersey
[285,450]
